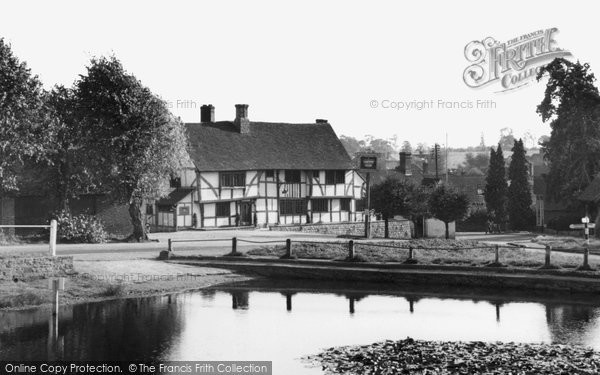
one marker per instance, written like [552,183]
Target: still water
[282,323]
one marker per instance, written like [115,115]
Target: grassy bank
[110,276]
[432,252]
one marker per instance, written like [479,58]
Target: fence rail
[354,246]
[53,226]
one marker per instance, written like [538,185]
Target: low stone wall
[397,228]
[23,268]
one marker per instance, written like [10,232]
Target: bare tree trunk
[135,213]
[447,229]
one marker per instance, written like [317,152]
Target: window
[292,176]
[149,209]
[345,204]
[223,209]
[233,179]
[361,205]
[184,210]
[175,182]
[165,208]
[320,205]
[292,207]
[270,173]
[335,177]
[315,174]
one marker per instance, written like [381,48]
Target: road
[218,242]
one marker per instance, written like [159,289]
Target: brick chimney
[207,113]
[241,121]
[405,163]
[321,121]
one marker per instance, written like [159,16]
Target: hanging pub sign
[368,162]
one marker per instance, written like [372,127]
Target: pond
[282,322]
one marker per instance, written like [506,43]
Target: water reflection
[250,322]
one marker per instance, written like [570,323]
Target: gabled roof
[174,197]
[219,146]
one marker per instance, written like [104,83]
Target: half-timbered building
[246,173]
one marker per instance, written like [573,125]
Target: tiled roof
[219,146]
[174,197]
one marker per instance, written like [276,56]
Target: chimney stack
[321,121]
[241,118]
[207,113]
[405,163]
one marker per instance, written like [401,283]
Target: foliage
[80,228]
[519,190]
[391,197]
[352,145]
[447,204]
[507,139]
[476,221]
[137,143]
[496,187]
[571,104]
[113,290]
[476,164]
[562,222]
[21,118]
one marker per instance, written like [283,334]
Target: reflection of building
[244,173]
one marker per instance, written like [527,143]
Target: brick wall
[397,228]
[35,268]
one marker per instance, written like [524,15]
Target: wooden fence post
[497,255]
[350,250]
[234,245]
[586,265]
[288,248]
[547,263]
[170,245]
[411,259]
[53,235]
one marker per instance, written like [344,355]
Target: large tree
[137,143]
[67,170]
[519,204]
[22,133]
[447,205]
[390,198]
[572,106]
[496,187]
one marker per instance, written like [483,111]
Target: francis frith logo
[510,64]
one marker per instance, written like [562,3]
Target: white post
[53,230]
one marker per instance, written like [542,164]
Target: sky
[297,61]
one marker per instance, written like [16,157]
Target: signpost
[368,163]
[585,225]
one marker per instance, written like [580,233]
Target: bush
[562,222]
[475,222]
[82,228]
